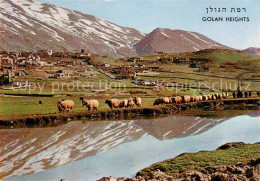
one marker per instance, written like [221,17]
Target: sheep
[157,101]
[65,105]
[186,98]
[214,97]
[123,103]
[193,98]
[177,99]
[113,103]
[138,101]
[130,103]
[167,100]
[197,98]
[234,95]
[205,98]
[90,104]
[209,97]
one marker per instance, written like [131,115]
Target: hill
[178,41]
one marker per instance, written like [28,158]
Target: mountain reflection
[31,150]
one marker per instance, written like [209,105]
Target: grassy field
[171,74]
[12,106]
[196,161]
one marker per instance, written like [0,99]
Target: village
[101,77]
[45,65]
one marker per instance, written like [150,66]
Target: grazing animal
[40,102]
[205,98]
[234,95]
[214,97]
[113,103]
[220,96]
[197,99]
[209,97]
[123,103]
[246,94]
[186,98]
[167,100]
[164,100]
[227,95]
[239,94]
[193,99]
[65,105]
[90,104]
[130,103]
[138,101]
[157,101]
[177,99]
[200,98]
[223,95]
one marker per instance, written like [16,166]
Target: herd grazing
[93,104]
[187,98]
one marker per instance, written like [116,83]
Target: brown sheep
[158,101]
[186,98]
[214,97]
[123,103]
[138,101]
[209,97]
[197,98]
[167,100]
[90,104]
[193,99]
[113,103]
[223,95]
[205,98]
[177,99]
[130,103]
[65,105]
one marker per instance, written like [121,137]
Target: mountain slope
[252,50]
[178,41]
[28,25]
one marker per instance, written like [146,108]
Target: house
[7,61]
[145,82]
[135,60]
[63,74]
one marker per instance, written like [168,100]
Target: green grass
[12,106]
[229,56]
[196,161]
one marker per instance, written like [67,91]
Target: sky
[146,15]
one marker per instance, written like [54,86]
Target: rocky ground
[246,171]
[240,171]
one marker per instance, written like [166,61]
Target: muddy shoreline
[55,119]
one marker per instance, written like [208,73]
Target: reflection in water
[27,151]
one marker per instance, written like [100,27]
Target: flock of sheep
[68,105]
[187,98]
